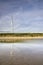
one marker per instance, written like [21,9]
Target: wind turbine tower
[12,27]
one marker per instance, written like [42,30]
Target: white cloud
[23,21]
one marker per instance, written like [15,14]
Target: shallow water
[27,53]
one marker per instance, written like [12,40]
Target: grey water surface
[26,53]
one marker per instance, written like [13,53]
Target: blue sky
[27,16]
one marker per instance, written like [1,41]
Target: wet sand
[21,54]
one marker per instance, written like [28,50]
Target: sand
[17,39]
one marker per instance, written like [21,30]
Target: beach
[18,38]
[30,53]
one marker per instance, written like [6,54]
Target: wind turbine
[12,31]
[12,27]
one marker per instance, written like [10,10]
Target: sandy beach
[15,39]
[21,54]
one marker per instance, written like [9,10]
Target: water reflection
[27,53]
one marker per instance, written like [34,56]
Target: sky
[21,16]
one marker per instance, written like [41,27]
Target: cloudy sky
[21,16]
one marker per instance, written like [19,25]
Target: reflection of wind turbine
[12,28]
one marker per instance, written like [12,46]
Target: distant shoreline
[17,39]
